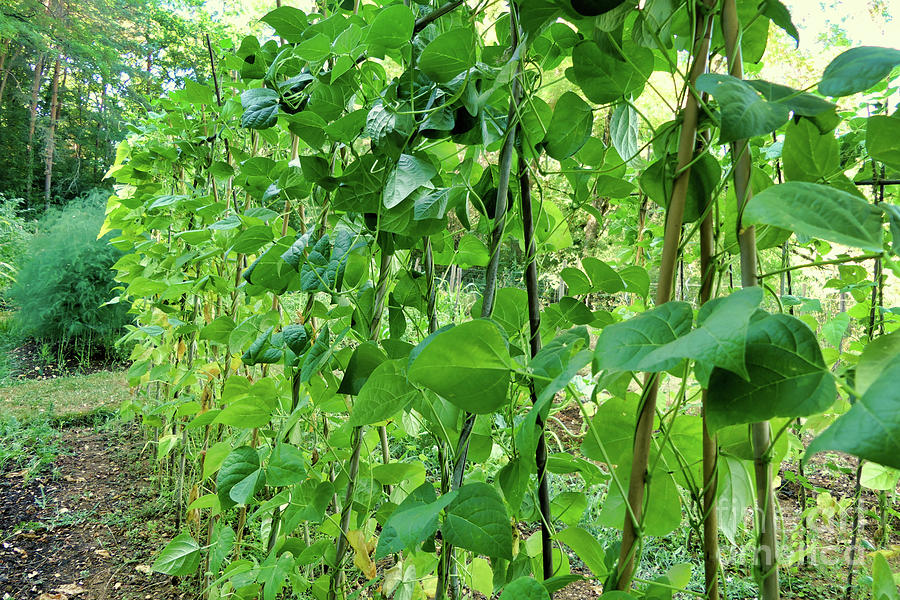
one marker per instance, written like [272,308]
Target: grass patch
[30,446]
[64,398]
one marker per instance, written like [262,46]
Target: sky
[865,22]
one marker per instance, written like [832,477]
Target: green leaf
[781,16]
[392,26]
[734,495]
[296,337]
[623,346]
[287,466]
[288,22]
[576,281]
[623,130]
[366,357]
[385,393]
[448,55]
[570,126]
[603,277]
[477,520]
[218,330]
[858,69]
[239,477]
[247,413]
[261,350]
[606,77]
[835,328]
[588,549]
[614,425]
[467,364]
[568,507]
[818,211]
[180,557]
[409,175]
[871,428]
[808,155]
[637,280]
[788,377]
[878,354]
[524,588]
[882,133]
[884,586]
[719,338]
[801,103]
[658,180]
[260,108]
[879,477]
[414,521]
[744,112]
[472,252]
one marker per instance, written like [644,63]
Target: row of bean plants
[331,426]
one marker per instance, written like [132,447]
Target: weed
[29,446]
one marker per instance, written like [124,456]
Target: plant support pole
[671,241]
[761,432]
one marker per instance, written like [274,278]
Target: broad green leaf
[218,330]
[744,113]
[477,520]
[240,470]
[274,573]
[392,26]
[818,211]
[733,495]
[834,329]
[588,549]
[448,55]
[613,424]
[385,393]
[877,355]
[663,514]
[287,466]
[414,521]
[882,135]
[637,280]
[410,174]
[879,477]
[261,350]
[365,359]
[296,337]
[871,428]
[570,126]
[260,108]
[524,588]
[801,103]
[605,77]
[397,472]
[781,16]
[576,281]
[719,338]
[246,413]
[467,364]
[180,557]
[623,346]
[603,277]
[808,155]
[288,22]
[884,586]
[575,311]
[858,69]
[472,252]
[568,507]
[788,377]
[623,130]
[658,181]
[510,309]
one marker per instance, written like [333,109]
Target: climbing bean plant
[330,427]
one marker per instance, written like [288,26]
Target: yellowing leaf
[361,557]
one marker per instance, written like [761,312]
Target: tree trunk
[51,134]
[35,90]
[6,66]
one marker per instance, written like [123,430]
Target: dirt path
[89,529]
